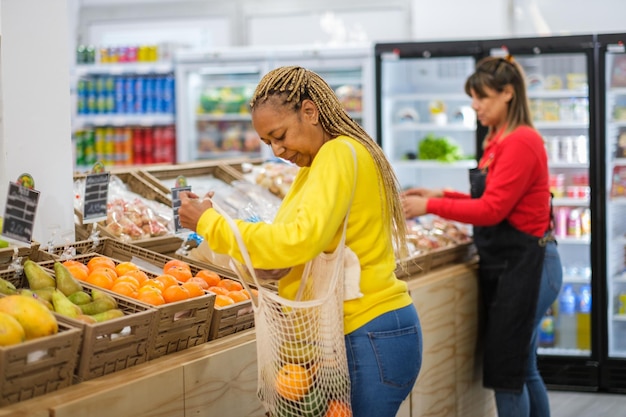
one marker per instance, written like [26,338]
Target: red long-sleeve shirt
[516,188]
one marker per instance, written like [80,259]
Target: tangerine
[200,282]
[210,277]
[230,284]
[218,290]
[167,280]
[151,296]
[125,288]
[123,267]
[195,290]
[153,283]
[181,273]
[222,300]
[175,293]
[78,269]
[100,278]
[293,381]
[338,408]
[175,262]
[98,261]
[127,278]
[138,274]
[237,296]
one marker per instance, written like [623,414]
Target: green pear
[7,288]
[29,293]
[107,315]
[44,293]
[65,280]
[63,305]
[37,276]
[98,306]
[80,297]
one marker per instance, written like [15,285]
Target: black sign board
[19,213]
[176,205]
[96,195]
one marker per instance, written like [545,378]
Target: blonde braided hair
[292,85]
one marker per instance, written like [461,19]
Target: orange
[175,293]
[167,280]
[293,381]
[195,290]
[125,288]
[78,269]
[153,283]
[179,272]
[175,262]
[210,277]
[138,274]
[218,290]
[97,261]
[150,295]
[123,267]
[237,296]
[230,284]
[100,278]
[337,408]
[127,278]
[200,282]
[222,300]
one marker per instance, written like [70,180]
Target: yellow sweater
[310,220]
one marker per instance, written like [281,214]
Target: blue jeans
[384,357]
[533,400]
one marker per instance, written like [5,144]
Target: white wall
[35,112]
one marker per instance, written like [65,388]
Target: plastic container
[546,336]
[583,318]
[568,326]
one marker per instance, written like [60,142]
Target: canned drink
[148,146]
[89,145]
[574,226]
[79,146]
[129,95]
[138,146]
[621,298]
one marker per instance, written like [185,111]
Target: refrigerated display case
[612,70]
[215,87]
[426,125]
[560,73]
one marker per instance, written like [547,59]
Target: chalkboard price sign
[19,213]
[96,195]
[176,205]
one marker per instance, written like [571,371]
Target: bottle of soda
[568,326]
[583,318]
[547,329]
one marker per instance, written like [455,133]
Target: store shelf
[568,240]
[561,125]
[224,117]
[564,201]
[562,352]
[619,317]
[135,68]
[409,126]
[583,93]
[124,120]
[428,96]
[573,165]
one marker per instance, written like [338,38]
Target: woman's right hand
[422,192]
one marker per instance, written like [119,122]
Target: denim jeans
[533,400]
[384,357]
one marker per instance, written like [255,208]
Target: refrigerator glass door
[616,202]
[427,123]
[558,94]
[214,119]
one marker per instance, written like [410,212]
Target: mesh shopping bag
[301,353]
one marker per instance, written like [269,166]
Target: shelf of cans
[125,145]
[90,54]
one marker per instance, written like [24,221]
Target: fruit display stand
[108,346]
[9,255]
[218,378]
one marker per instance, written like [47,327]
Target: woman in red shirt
[510,209]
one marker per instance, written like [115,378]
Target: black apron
[510,266]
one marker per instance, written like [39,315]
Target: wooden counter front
[219,378]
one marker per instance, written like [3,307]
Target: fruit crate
[415,265]
[108,346]
[223,321]
[39,366]
[178,325]
[224,171]
[461,252]
[7,255]
[135,184]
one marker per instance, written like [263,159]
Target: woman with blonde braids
[297,114]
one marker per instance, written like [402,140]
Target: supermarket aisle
[587,404]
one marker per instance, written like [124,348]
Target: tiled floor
[586,404]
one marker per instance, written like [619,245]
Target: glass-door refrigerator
[213,90]
[612,71]
[426,125]
[560,74]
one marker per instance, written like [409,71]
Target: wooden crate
[415,265]
[178,325]
[7,255]
[231,319]
[451,254]
[108,346]
[39,366]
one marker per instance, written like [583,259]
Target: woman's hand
[413,205]
[422,192]
[191,209]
